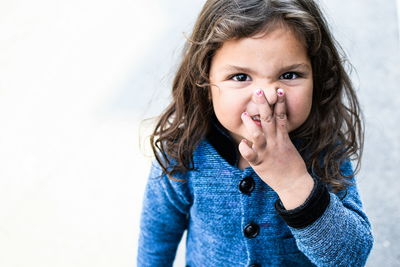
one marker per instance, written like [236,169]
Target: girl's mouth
[256,119]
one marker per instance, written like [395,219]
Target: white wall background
[76,79]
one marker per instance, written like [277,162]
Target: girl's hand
[272,154]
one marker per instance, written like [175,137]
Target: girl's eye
[289,76]
[241,77]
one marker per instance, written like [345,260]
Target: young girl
[253,154]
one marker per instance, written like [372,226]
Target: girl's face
[275,60]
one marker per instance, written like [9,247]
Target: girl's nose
[270,94]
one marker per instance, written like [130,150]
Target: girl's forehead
[277,49]
[280,40]
[280,31]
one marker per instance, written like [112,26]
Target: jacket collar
[221,140]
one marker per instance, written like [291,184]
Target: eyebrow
[283,69]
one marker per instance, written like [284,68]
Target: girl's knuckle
[281,116]
[258,136]
[266,118]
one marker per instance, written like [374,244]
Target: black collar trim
[221,140]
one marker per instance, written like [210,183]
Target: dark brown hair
[332,133]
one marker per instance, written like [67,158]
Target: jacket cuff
[312,209]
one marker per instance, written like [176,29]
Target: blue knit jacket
[217,215]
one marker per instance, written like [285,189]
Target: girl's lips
[256,119]
[257,122]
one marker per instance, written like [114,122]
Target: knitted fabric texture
[215,213]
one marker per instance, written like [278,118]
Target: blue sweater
[226,227]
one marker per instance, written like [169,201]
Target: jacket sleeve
[342,235]
[163,220]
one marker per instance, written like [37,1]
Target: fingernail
[259,92]
[280,92]
[245,114]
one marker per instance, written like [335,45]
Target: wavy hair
[332,133]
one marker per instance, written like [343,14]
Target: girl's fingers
[247,152]
[266,114]
[255,132]
[280,114]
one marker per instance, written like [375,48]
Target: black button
[255,265]
[246,185]
[251,230]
